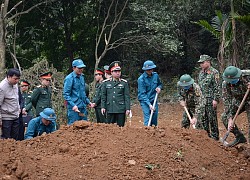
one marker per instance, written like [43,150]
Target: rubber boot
[239,137]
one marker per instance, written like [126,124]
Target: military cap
[24,83]
[116,65]
[78,63]
[48,114]
[186,80]
[99,71]
[204,57]
[46,75]
[148,65]
[231,73]
[106,69]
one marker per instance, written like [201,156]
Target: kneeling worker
[43,123]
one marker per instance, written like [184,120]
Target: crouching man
[45,123]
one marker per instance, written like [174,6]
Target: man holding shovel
[149,84]
[190,95]
[74,93]
[234,87]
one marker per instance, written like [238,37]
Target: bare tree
[106,30]
[7,17]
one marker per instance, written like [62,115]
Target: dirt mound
[101,151]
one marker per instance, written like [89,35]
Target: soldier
[99,77]
[209,83]
[190,95]
[74,93]
[45,123]
[41,96]
[115,100]
[234,87]
[27,110]
[107,72]
[149,84]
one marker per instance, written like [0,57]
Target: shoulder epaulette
[124,80]
[38,86]
[106,80]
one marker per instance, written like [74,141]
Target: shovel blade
[223,140]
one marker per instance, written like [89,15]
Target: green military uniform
[234,88]
[41,96]
[209,83]
[27,103]
[97,100]
[192,95]
[115,98]
[41,99]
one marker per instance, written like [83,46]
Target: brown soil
[101,151]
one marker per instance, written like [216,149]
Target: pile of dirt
[102,151]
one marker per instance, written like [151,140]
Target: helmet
[186,80]
[48,114]
[231,73]
[148,65]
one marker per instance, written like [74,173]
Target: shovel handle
[241,104]
[189,117]
[152,111]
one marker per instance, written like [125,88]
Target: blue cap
[48,114]
[78,63]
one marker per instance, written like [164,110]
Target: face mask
[234,81]
[187,87]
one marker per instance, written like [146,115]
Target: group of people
[201,99]
[17,103]
[111,99]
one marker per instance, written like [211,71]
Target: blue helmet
[48,114]
[148,65]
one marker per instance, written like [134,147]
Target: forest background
[46,35]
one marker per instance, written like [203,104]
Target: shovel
[189,117]
[152,111]
[80,114]
[223,140]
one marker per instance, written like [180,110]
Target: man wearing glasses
[41,96]
[115,100]
[74,93]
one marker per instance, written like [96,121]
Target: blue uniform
[74,94]
[37,128]
[146,94]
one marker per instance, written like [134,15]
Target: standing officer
[149,84]
[45,123]
[208,81]
[107,72]
[115,98]
[41,96]
[99,77]
[27,110]
[190,96]
[234,87]
[74,93]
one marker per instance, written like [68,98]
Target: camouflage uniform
[209,83]
[193,98]
[232,95]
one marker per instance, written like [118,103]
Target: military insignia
[147,65]
[120,85]
[116,64]
[51,115]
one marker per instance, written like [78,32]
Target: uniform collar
[146,75]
